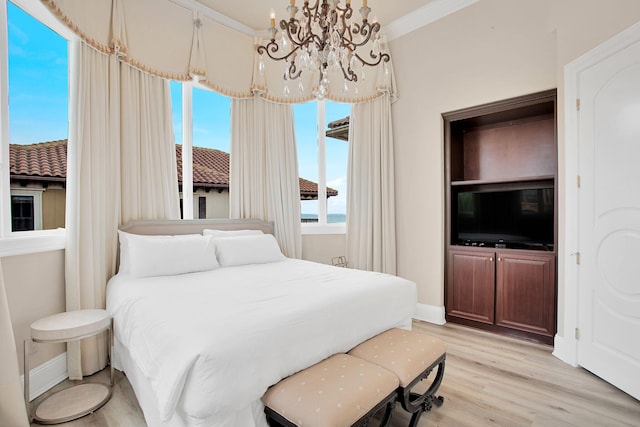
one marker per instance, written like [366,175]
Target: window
[202,207]
[202,125]
[322,160]
[38,108]
[33,123]
[22,213]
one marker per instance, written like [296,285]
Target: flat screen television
[518,218]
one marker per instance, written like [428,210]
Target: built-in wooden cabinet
[525,291]
[507,288]
[498,285]
[472,285]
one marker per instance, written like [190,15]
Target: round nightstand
[79,400]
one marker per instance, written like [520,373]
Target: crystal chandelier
[323,38]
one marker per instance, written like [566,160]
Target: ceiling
[255,13]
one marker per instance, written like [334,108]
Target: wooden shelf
[502,181]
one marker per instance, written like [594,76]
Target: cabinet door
[471,285]
[525,292]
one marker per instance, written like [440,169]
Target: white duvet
[211,343]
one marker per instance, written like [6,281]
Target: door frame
[565,341]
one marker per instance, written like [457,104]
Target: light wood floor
[489,381]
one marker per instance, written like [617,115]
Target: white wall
[217,203]
[492,50]
[35,289]
[322,247]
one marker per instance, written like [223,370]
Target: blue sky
[38,89]
[38,112]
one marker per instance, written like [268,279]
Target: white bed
[201,348]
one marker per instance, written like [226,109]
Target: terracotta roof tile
[210,166]
[340,122]
[311,188]
[46,159]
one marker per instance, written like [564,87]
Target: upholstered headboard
[195,226]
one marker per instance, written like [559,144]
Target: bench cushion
[335,392]
[405,353]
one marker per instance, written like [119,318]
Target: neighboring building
[38,174]
[339,129]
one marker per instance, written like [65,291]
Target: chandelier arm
[272,47]
[293,71]
[296,38]
[366,30]
[349,74]
[316,5]
[344,41]
[377,59]
[347,12]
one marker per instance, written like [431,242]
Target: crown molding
[424,16]
[421,17]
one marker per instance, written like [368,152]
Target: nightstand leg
[111,334]
[27,350]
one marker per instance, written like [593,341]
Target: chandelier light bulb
[284,43]
[376,46]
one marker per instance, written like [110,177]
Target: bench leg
[388,412]
[418,403]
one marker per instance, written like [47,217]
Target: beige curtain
[263,176]
[121,166]
[13,412]
[371,233]
[149,175]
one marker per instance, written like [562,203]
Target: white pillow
[123,255]
[252,249]
[230,233]
[146,256]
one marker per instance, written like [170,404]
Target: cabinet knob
[499,259]
[490,258]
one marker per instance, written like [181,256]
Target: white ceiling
[255,13]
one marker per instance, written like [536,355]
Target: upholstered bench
[340,391]
[411,356]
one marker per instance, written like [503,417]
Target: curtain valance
[168,40]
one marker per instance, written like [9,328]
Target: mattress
[202,348]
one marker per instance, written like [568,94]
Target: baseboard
[429,313]
[47,375]
[564,350]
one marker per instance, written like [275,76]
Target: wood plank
[489,380]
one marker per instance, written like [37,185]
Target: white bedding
[210,343]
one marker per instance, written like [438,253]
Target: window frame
[190,202]
[322,226]
[21,242]
[36,194]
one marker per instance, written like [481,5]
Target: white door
[609,219]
